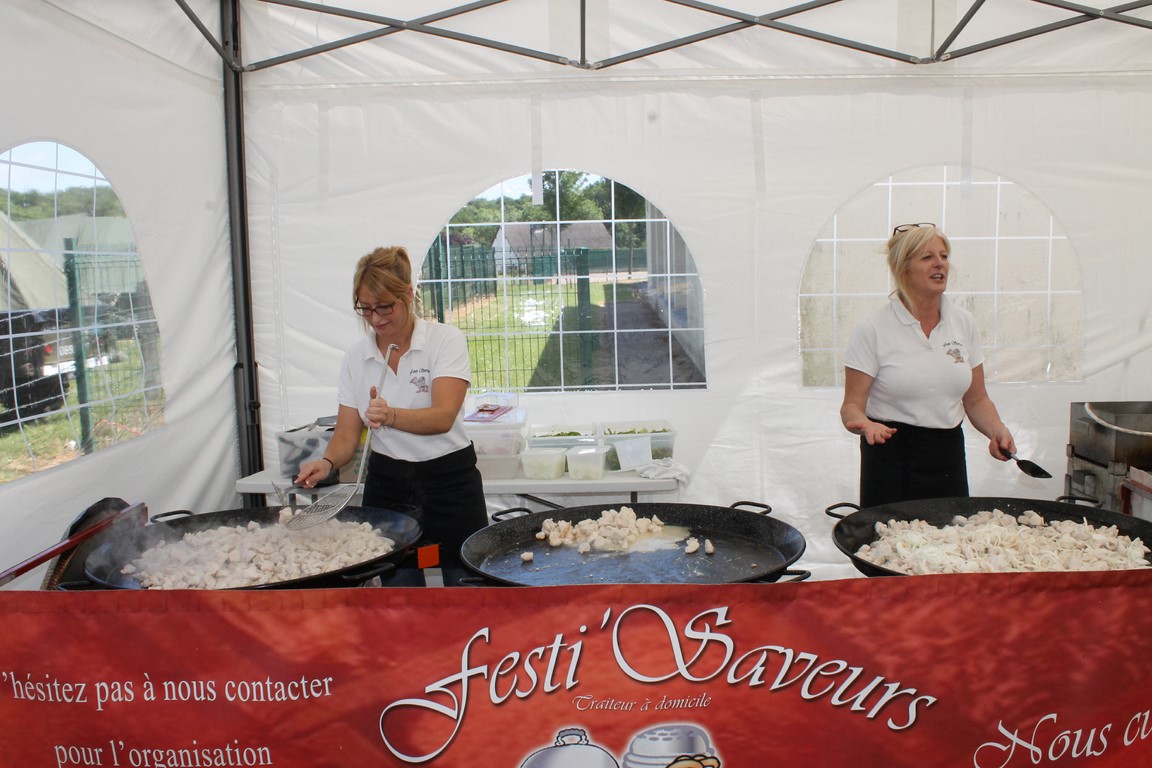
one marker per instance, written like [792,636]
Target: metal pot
[572,750]
[750,546]
[123,544]
[661,745]
[859,528]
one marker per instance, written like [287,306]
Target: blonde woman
[422,456]
[913,370]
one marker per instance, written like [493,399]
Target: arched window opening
[582,284]
[1011,265]
[79,344]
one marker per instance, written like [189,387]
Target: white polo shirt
[918,380]
[436,350]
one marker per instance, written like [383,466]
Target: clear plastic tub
[513,420]
[503,436]
[661,432]
[586,462]
[561,435]
[497,442]
[632,453]
[543,463]
[498,467]
[499,459]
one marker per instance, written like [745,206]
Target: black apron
[448,490]
[915,463]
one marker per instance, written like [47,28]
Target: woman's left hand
[377,413]
[1001,445]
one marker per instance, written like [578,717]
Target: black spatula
[1030,468]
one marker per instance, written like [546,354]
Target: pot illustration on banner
[664,746]
[678,745]
[572,750]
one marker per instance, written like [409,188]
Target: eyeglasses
[907,227]
[378,309]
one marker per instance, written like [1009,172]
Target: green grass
[510,353]
[117,411]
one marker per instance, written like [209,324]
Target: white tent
[749,126]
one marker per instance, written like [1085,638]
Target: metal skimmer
[329,505]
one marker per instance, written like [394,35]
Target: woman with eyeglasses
[421,454]
[912,371]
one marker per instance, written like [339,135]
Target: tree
[479,211]
[576,204]
[622,203]
[36,204]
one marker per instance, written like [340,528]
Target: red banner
[988,671]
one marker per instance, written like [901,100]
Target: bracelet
[330,462]
[393,423]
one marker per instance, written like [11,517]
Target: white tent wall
[154,128]
[749,171]
[749,143]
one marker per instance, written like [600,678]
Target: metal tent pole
[244,372]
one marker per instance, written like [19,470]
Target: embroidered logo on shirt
[420,382]
[955,350]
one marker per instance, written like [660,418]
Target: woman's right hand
[313,472]
[853,410]
[874,432]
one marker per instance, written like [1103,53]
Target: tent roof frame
[740,20]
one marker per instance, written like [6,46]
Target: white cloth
[662,469]
[437,350]
[918,380]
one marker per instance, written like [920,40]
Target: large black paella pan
[749,546]
[858,528]
[123,544]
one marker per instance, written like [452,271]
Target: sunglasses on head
[907,227]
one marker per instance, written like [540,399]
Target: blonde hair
[386,273]
[903,247]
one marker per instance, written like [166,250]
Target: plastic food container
[630,454]
[586,462]
[661,433]
[513,419]
[499,459]
[561,435]
[543,463]
[498,442]
[501,437]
